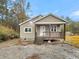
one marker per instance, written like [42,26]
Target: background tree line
[72,26]
[12,12]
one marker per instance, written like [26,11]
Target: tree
[72,26]
[19,10]
[17,14]
[3,8]
[76,28]
[13,12]
[69,24]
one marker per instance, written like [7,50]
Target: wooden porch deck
[53,37]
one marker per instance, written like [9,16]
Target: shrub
[3,37]
[7,33]
[13,35]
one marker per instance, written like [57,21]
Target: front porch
[49,32]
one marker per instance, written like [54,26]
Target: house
[43,28]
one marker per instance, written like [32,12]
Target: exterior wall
[29,36]
[49,20]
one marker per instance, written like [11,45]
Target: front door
[42,30]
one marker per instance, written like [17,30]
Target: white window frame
[54,27]
[27,32]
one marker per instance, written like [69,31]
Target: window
[53,28]
[28,29]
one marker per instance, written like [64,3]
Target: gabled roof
[53,16]
[40,17]
[32,19]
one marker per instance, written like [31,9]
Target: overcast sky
[58,7]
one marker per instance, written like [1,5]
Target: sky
[66,8]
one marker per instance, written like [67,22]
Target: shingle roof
[32,19]
[39,17]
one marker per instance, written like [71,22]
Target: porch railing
[52,34]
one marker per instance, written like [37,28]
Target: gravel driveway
[57,51]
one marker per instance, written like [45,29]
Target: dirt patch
[9,43]
[33,56]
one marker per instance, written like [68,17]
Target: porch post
[35,34]
[64,31]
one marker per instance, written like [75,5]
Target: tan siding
[49,19]
[29,36]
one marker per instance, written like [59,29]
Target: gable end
[50,18]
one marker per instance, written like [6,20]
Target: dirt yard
[32,51]
[9,43]
[73,40]
[14,42]
[13,49]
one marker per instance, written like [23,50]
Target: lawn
[74,40]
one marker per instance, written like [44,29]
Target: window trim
[27,32]
[54,27]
